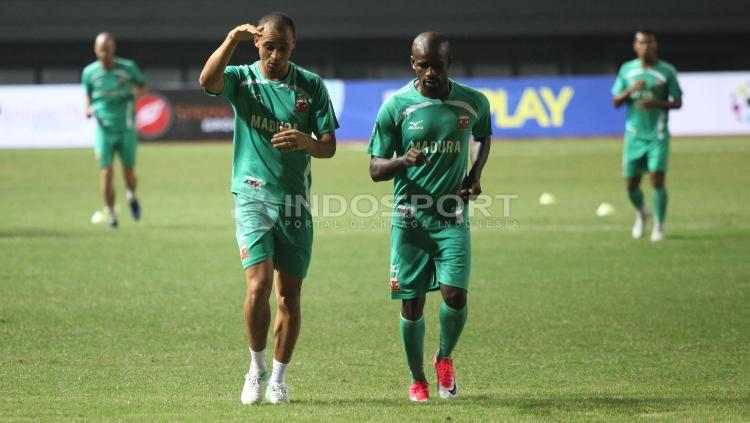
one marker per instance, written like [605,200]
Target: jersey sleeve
[385,134]
[483,126]
[232,79]
[673,87]
[85,82]
[136,75]
[323,116]
[620,84]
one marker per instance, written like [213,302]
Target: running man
[112,84]
[426,125]
[650,89]
[277,106]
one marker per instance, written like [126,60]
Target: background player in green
[112,84]
[427,125]
[277,106]
[650,89]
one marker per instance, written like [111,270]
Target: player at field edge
[426,125]
[278,105]
[649,88]
[112,84]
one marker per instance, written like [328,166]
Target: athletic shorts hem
[255,260]
[400,295]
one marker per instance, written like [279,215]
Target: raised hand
[246,32]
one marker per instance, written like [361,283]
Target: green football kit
[430,238]
[646,141]
[111,94]
[272,187]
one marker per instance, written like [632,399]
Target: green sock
[451,324]
[660,204]
[636,197]
[412,334]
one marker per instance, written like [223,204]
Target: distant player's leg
[412,336]
[657,166]
[108,193]
[453,264]
[128,152]
[635,194]
[634,163]
[660,205]
[104,148]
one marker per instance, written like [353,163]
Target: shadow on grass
[622,404]
[33,233]
[549,405]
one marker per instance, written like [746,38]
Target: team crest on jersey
[253,182]
[404,211]
[243,253]
[393,283]
[300,106]
[463,122]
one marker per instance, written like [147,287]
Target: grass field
[569,318]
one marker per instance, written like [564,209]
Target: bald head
[104,37]
[431,43]
[430,59]
[104,48]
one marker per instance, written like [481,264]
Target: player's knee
[455,298]
[288,302]
[258,292]
[412,309]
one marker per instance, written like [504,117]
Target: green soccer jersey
[261,107]
[427,195]
[661,84]
[111,92]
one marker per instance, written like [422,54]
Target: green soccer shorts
[122,141]
[643,155]
[266,230]
[424,258]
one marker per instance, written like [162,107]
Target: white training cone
[605,209]
[547,199]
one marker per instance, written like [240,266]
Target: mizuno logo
[416,124]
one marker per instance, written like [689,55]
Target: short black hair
[644,31]
[279,20]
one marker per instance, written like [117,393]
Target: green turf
[569,318]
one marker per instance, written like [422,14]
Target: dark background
[50,41]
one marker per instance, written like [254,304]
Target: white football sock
[279,372]
[130,195]
[257,361]
[110,213]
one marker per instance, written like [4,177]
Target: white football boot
[641,217]
[252,391]
[277,393]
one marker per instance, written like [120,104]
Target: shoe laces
[281,389]
[255,379]
[445,372]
